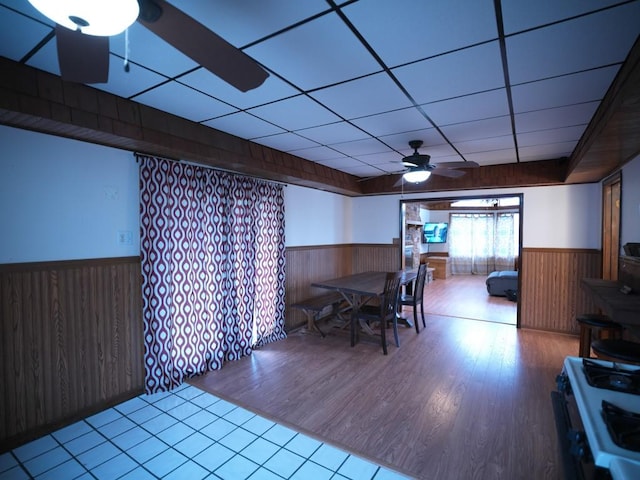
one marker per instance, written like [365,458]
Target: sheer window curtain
[213,268]
[480,243]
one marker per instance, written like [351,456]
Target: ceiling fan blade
[467,164]
[445,172]
[82,58]
[206,48]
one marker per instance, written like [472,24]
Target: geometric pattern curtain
[213,268]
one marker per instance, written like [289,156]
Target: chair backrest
[420,279]
[389,303]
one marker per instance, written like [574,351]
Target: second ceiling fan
[419,168]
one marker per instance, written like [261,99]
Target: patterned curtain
[213,267]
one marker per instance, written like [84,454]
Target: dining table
[360,288]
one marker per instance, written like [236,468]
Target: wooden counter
[619,307]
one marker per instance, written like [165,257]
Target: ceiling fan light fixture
[417,176]
[99,18]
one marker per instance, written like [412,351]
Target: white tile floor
[183,434]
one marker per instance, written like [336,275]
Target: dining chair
[385,313]
[416,298]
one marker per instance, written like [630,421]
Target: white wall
[314,217]
[630,203]
[565,216]
[61,199]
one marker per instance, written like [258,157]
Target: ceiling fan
[83,29]
[419,169]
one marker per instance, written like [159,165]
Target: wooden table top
[365,284]
[620,307]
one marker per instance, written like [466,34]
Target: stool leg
[585,342]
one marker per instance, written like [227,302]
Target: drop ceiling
[352,82]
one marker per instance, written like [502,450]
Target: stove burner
[612,378]
[620,382]
[623,426]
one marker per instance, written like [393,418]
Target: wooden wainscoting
[71,342]
[551,294]
[309,264]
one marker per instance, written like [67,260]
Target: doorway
[611,188]
[459,286]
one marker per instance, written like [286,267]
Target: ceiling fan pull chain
[126,50]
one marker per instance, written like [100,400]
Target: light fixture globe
[100,18]
[417,176]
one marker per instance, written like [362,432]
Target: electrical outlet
[125,237]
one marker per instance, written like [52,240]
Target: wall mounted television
[435,232]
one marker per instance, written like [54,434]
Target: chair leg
[383,336]
[424,324]
[415,318]
[395,331]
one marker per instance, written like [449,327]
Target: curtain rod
[209,167]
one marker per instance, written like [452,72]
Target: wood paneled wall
[71,342]
[551,295]
[306,265]
[72,331]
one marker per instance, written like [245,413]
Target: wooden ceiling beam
[42,102]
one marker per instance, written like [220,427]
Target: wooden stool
[617,350]
[594,321]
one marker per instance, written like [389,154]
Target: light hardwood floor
[462,400]
[466,296]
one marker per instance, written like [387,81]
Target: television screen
[435,232]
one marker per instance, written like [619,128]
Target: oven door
[577,462]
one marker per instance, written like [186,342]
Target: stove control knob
[579,447]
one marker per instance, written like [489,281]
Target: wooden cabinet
[442,266]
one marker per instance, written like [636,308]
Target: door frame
[520,208]
[611,208]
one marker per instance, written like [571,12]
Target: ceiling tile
[406,31]
[21,36]
[388,157]
[285,142]
[124,84]
[489,127]
[471,107]
[548,151]
[398,121]
[555,117]
[347,100]
[316,54]
[271,90]
[318,154]
[183,101]
[429,136]
[295,113]
[342,162]
[486,145]
[518,15]
[243,125]
[333,133]
[556,135]
[460,73]
[145,48]
[493,157]
[241,23]
[563,91]
[584,43]
[28,10]
[361,147]
[47,58]
[362,171]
